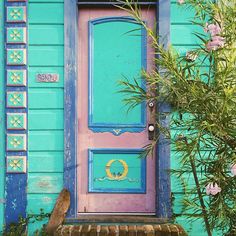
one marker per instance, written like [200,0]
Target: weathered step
[116,219]
[120,230]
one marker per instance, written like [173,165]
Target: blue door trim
[163,187]
[70,127]
[70,109]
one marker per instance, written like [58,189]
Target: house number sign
[47,78]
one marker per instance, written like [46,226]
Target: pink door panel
[111,176]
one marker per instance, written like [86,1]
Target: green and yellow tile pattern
[16,164]
[16,142]
[16,57]
[16,121]
[16,77]
[16,14]
[16,35]
[16,100]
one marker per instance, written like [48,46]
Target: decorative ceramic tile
[16,121]
[16,99]
[16,164]
[16,14]
[16,35]
[16,0]
[16,142]
[16,78]
[16,56]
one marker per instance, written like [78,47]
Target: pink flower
[233,169]
[212,189]
[213,29]
[215,43]
[181,1]
[206,28]
[208,189]
[191,56]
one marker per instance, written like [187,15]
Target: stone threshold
[136,219]
[120,230]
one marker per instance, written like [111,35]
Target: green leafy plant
[20,228]
[200,87]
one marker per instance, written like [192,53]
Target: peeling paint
[2,200]
[47,199]
[43,184]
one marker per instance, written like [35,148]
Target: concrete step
[120,230]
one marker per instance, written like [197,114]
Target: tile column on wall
[16,108]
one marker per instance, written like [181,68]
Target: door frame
[163,187]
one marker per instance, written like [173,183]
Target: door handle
[152,120]
[151,131]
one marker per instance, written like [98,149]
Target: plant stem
[204,211]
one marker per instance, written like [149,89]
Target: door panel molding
[115,124]
[125,179]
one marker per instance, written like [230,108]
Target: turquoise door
[111,176]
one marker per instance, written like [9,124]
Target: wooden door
[111,176]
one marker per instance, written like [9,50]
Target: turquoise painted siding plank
[46,34]
[177,156]
[46,13]
[33,71]
[178,204]
[36,202]
[180,185]
[46,98]
[183,49]
[45,141]
[45,162]
[181,15]
[2,120]
[184,34]
[176,133]
[45,119]
[33,227]
[195,227]
[45,182]
[46,56]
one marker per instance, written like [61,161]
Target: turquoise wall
[2,116]
[183,39]
[45,119]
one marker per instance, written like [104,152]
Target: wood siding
[183,39]
[45,120]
